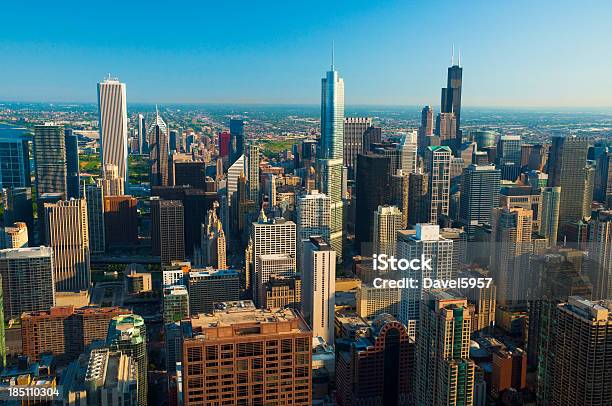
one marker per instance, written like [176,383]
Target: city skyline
[525,49]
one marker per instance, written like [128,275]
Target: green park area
[138,167]
[273,147]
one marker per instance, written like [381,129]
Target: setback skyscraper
[158,152]
[451,95]
[113,123]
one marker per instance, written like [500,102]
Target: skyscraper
[67,233]
[427,124]
[331,152]
[372,190]
[15,236]
[237,140]
[428,243]
[354,132]
[94,197]
[14,160]
[548,213]
[512,244]
[446,127]
[17,204]
[445,372]
[158,151]
[143,144]
[312,218]
[113,123]
[120,221]
[408,152]
[566,168]
[167,229]
[479,195]
[418,190]
[27,280]
[603,178]
[252,171]
[268,237]
[213,245]
[437,164]
[509,149]
[50,159]
[387,220]
[578,362]
[111,183]
[319,287]
[275,345]
[72,164]
[451,95]
[127,333]
[208,286]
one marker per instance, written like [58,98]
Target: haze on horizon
[514,54]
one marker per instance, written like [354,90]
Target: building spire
[156,112]
[332,56]
[453,56]
[459,63]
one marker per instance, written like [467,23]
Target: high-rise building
[252,171]
[312,214]
[400,183]
[429,244]
[548,213]
[509,150]
[387,220]
[427,124]
[224,144]
[229,216]
[372,190]
[600,262]
[71,141]
[94,198]
[373,301]
[479,195]
[566,168]
[437,165]
[270,237]
[207,287]
[578,364]
[64,332]
[15,236]
[143,144]
[319,287]
[2,330]
[354,132]
[167,229]
[603,178]
[451,95]
[446,127]
[376,368]
[50,159]
[67,233]
[111,183]
[511,236]
[445,372]
[17,204]
[27,280]
[175,304]
[237,140]
[113,124]
[120,221]
[282,291]
[408,152]
[330,173]
[418,192]
[127,333]
[213,245]
[101,377]
[158,152]
[274,345]
[14,161]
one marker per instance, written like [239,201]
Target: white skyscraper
[319,287]
[113,124]
[408,152]
[313,215]
[330,170]
[387,220]
[252,172]
[427,243]
[270,236]
[437,164]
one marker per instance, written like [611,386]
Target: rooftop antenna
[332,64]
[453,56]
[459,63]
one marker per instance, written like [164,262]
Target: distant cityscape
[224,254]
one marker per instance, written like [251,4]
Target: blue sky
[514,53]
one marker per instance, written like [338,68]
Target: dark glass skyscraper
[72,164]
[451,96]
[479,195]
[236,139]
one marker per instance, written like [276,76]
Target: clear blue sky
[514,53]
